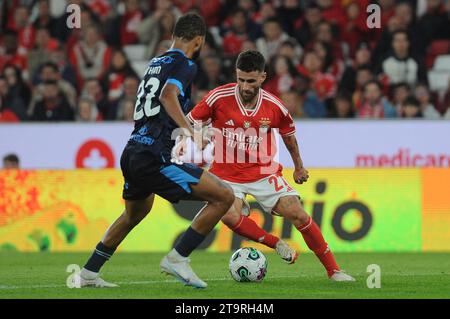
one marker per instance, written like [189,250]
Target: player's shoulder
[273,101]
[222,88]
[221,92]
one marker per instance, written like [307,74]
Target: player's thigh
[269,190]
[211,189]
[138,209]
[291,208]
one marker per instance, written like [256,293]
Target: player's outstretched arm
[300,173]
[169,99]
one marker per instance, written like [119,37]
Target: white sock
[87,274]
[175,255]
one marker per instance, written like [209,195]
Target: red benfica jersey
[245,146]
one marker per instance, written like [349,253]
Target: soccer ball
[248,265]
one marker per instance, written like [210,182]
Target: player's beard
[248,95]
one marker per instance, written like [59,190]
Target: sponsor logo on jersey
[230,122]
[247,124]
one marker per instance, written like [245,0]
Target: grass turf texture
[408,275]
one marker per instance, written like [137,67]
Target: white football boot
[88,278]
[287,253]
[340,275]
[178,266]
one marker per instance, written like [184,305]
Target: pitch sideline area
[407,275]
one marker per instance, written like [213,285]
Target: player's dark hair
[251,60]
[189,26]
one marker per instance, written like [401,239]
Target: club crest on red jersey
[264,124]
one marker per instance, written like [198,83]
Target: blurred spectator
[362,57]
[272,39]
[291,13]
[24,29]
[364,74]
[212,75]
[12,107]
[435,23]
[17,86]
[342,106]
[411,108]
[266,11]
[113,80]
[49,72]
[402,20]
[293,102]
[401,92]
[41,51]
[353,28]
[130,87]
[306,29]
[128,22]
[54,105]
[240,30]
[67,72]
[324,33]
[323,84]
[374,104]
[125,110]
[156,28]
[90,56]
[86,110]
[44,19]
[331,65]
[11,161]
[428,110]
[282,75]
[9,53]
[209,9]
[400,66]
[93,90]
[292,50]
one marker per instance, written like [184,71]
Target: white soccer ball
[248,265]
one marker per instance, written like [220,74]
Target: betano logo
[403,158]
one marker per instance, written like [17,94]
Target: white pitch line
[144,282]
[169,281]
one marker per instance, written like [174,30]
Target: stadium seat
[436,48]
[139,67]
[135,52]
[439,79]
[442,63]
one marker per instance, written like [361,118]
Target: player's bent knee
[228,196]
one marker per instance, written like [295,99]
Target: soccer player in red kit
[246,116]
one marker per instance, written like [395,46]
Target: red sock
[314,239]
[247,227]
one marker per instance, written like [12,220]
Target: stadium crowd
[323,59]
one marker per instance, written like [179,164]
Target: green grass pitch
[407,275]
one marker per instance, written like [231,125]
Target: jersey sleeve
[287,125]
[202,112]
[182,74]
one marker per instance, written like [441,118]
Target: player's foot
[178,266]
[340,275]
[287,253]
[90,279]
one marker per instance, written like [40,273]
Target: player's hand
[301,175]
